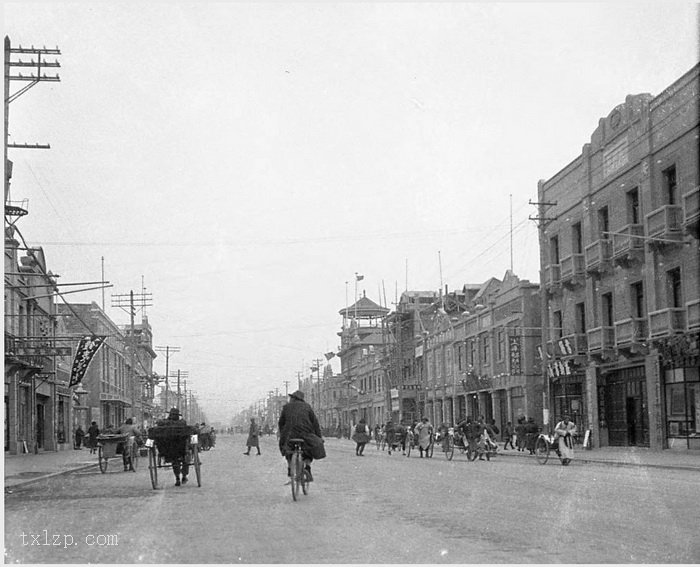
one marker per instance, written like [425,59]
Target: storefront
[625,408]
[568,396]
[682,393]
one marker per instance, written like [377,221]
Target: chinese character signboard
[514,348]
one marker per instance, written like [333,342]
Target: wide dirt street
[374,509]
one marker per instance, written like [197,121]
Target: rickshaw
[109,445]
[166,444]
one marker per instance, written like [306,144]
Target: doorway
[40,422]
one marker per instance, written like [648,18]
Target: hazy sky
[247,159]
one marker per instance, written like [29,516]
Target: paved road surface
[375,509]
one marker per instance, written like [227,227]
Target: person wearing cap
[298,421]
[564,432]
[179,463]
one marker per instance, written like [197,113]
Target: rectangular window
[670,185]
[603,222]
[580,313]
[674,288]
[554,250]
[472,352]
[607,309]
[501,344]
[460,356]
[576,238]
[633,211]
[486,341]
[556,325]
[637,300]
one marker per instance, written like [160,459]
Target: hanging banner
[87,348]
[514,351]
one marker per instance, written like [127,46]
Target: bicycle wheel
[194,451]
[102,459]
[542,450]
[294,467]
[304,480]
[383,444]
[153,466]
[450,448]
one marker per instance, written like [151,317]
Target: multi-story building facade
[620,263]
[480,354]
[38,402]
[109,381]
[365,389]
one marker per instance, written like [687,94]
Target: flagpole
[356,297]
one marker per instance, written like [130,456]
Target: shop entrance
[625,408]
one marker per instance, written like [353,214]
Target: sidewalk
[27,468]
[626,456]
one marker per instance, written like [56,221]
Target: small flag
[329,355]
[359,278]
[86,350]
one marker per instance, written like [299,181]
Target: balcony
[691,212]
[598,256]
[571,345]
[627,248]
[552,277]
[573,270]
[693,316]
[666,322]
[664,224]
[630,334]
[601,340]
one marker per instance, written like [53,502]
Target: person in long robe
[425,436]
[564,432]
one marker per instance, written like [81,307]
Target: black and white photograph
[351,282]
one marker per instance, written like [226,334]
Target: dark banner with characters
[86,350]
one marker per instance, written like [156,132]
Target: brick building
[619,263]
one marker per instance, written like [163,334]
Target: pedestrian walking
[508,434]
[253,437]
[361,437]
[425,436]
[531,432]
[520,434]
[564,432]
[79,435]
[93,431]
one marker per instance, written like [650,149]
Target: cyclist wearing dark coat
[298,421]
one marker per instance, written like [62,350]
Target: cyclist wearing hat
[298,421]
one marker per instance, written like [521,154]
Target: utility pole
[167,350]
[40,64]
[286,387]
[126,302]
[317,366]
[180,374]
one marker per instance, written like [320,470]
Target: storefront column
[657,435]
[592,409]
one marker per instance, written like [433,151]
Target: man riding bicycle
[298,421]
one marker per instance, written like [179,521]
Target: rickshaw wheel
[102,459]
[429,451]
[195,462]
[153,466]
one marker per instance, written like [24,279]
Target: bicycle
[543,446]
[297,472]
